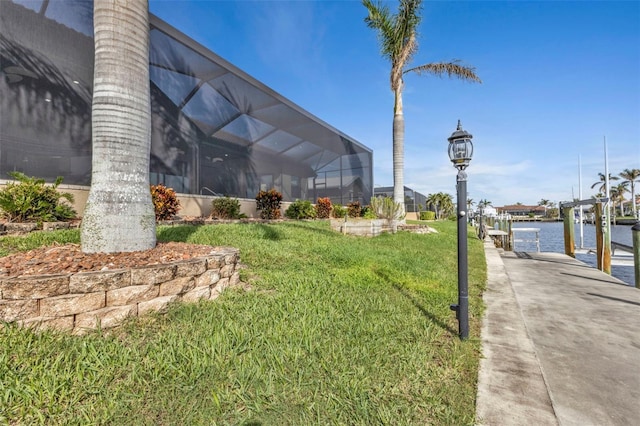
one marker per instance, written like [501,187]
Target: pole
[510,236]
[462,308]
[607,187]
[569,230]
[635,230]
[603,239]
[580,195]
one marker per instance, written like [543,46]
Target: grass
[336,330]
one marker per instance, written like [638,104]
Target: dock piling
[635,231]
[603,240]
[569,232]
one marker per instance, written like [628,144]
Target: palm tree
[397,34]
[433,200]
[545,203]
[631,176]
[470,203]
[602,182]
[119,214]
[484,203]
[446,204]
[617,195]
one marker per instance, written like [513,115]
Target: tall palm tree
[397,34]
[602,182]
[470,203]
[631,176]
[119,214]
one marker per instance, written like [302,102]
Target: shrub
[30,200]
[323,208]
[386,208]
[354,209]
[338,211]
[165,202]
[268,202]
[301,209]
[368,213]
[428,215]
[226,208]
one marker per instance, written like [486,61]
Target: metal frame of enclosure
[215,129]
[412,199]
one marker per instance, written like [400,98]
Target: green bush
[30,200]
[226,208]
[323,208]
[354,209]
[301,209]
[338,211]
[268,203]
[428,215]
[368,213]
[386,208]
[165,202]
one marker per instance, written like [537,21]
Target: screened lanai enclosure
[215,129]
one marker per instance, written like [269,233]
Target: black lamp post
[460,153]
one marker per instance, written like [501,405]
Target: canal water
[552,240]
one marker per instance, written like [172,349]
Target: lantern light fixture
[460,148]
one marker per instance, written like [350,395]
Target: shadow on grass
[178,233]
[417,303]
[270,232]
[328,232]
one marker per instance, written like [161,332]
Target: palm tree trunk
[398,149]
[119,214]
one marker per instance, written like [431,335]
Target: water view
[552,240]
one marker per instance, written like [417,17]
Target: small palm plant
[386,208]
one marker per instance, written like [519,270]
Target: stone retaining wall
[86,300]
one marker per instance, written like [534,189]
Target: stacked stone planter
[87,300]
[361,227]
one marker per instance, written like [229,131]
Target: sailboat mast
[580,195]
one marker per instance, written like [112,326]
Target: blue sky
[558,77]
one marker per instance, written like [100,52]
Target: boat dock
[560,343]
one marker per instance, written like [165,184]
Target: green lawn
[336,330]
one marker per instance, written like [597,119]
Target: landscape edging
[87,300]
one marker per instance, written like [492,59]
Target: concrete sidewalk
[561,343]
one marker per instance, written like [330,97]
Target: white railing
[523,240]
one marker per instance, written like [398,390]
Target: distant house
[488,211]
[522,210]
